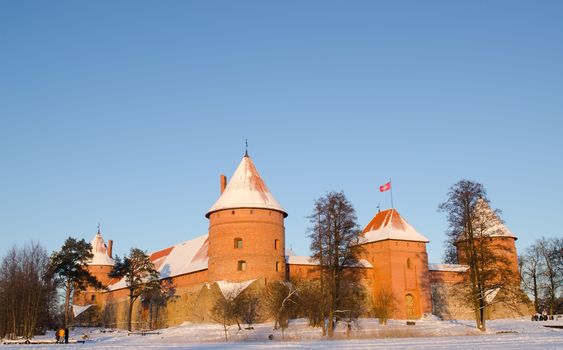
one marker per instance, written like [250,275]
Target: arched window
[408,263]
[241,265]
[277,265]
[276,244]
[93,298]
[238,243]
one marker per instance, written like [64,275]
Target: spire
[246,150]
[246,189]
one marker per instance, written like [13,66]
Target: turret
[498,238]
[99,266]
[246,229]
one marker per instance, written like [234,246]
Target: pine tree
[140,276]
[68,265]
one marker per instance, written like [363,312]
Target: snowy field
[516,334]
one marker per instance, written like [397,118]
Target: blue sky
[125,113]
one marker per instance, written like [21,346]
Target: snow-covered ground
[514,334]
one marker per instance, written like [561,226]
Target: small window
[408,263]
[93,298]
[242,265]
[233,212]
[276,244]
[238,243]
[277,265]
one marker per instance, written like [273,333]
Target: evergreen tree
[140,276]
[335,238]
[68,266]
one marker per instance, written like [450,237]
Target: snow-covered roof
[389,224]
[231,290]
[246,189]
[497,228]
[186,257]
[448,267]
[78,309]
[306,260]
[100,251]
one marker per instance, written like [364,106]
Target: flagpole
[391,188]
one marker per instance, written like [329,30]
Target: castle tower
[500,240]
[100,266]
[400,263]
[246,229]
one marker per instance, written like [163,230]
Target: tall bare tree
[471,225]
[530,270]
[140,276]
[68,265]
[551,253]
[335,237]
[27,294]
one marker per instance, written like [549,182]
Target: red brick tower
[246,229]
[500,241]
[400,263]
[100,266]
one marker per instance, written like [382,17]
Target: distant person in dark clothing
[66,335]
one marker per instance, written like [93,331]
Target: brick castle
[245,244]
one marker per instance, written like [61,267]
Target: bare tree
[551,255]
[223,312]
[472,223]
[530,270]
[280,301]
[311,304]
[27,293]
[383,304]
[140,276]
[334,234]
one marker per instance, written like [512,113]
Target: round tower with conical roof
[99,266]
[498,240]
[246,229]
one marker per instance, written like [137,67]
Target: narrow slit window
[276,244]
[241,265]
[277,265]
[238,243]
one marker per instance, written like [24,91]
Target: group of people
[541,317]
[62,335]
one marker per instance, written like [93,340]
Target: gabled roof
[100,251]
[246,189]
[389,224]
[182,258]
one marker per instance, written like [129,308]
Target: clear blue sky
[126,112]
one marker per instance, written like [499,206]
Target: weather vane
[246,150]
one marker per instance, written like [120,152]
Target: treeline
[28,296]
[541,270]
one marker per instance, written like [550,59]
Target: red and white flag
[385,187]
